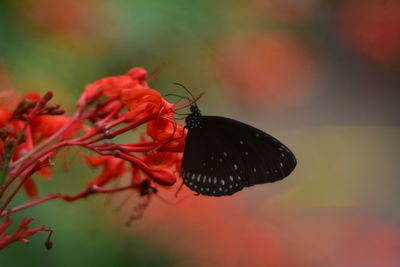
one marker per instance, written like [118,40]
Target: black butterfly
[222,155]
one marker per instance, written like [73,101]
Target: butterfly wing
[223,155]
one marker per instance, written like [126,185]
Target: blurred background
[321,76]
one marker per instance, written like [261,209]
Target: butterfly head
[192,120]
[194,109]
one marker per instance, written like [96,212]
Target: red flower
[138,74]
[164,128]
[144,103]
[109,107]
[165,131]
[5,115]
[163,176]
[91,92]
[113,168]
[29,116]
[267,69]
[30,188]
[372,27]
[171,160]
[46,125]
[112,86]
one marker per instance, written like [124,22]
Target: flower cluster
[32,131]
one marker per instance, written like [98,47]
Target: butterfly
[222,156]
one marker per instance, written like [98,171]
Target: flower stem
[119,131]
[48,141]
[26,177]
[22,168]
[85,193]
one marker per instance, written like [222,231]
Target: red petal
[100,180]
[46,172]
[134,95]
[30,188]
[46,125]
[4,116]
[112,86]
[163,176]
[139,74]
[95,161]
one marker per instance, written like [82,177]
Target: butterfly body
[222,156]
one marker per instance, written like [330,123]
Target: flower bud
[163,176]
[47,96]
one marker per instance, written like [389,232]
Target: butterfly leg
[171,140]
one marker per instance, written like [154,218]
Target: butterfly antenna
[179,99]
[181,118]
[184,87]
[181,114]
[191,102]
